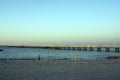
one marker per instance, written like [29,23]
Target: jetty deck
[84,48]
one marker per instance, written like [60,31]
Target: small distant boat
[1,49]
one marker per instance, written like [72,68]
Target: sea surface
[13,53]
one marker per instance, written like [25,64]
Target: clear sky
[36,22]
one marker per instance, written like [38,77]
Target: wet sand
[60,70]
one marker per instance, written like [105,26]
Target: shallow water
[49,54]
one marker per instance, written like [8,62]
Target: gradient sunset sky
[54,22]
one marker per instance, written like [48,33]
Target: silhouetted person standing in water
[39,57]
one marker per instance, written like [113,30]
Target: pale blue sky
[36,22]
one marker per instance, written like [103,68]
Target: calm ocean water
[48,54]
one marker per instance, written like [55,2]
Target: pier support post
[84,49]
[99,49]
[73,48]
[78,48]
[69,48]
[117,50]
[91,49]
[66,48]
[63,48]
[107,49]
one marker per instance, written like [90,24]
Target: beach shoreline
[60,70]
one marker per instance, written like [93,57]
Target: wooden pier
[80,48]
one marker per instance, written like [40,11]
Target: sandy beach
[60,70]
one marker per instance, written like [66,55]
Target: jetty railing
[81,48]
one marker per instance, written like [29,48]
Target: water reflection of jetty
[81,48]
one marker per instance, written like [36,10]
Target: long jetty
[81,48]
